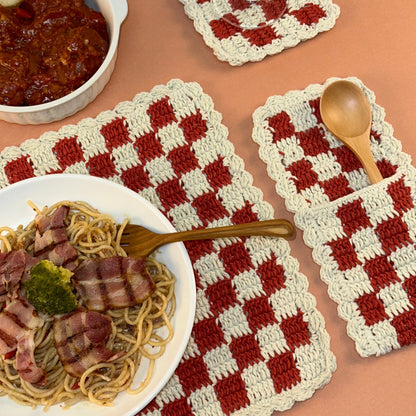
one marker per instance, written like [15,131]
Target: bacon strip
[113,283]
[18,322]
[25,361]
[51,239]
[16,319]
[14,268]
[80,338]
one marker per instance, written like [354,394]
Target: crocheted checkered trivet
[303,20]
[258,342]
[363,236]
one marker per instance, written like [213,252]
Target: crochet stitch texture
[362,235]
[258,343]
[303,20]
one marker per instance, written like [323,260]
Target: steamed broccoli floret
[49,289]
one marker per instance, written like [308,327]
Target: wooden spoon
[140,241]
[346,113]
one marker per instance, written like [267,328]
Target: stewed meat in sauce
[48,48]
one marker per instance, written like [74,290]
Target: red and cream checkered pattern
[225,26]
[258,343]
[362,235]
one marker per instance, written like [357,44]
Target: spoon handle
[362,150]
[273,228]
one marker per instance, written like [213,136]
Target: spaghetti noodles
[135,330]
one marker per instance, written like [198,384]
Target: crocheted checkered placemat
[362,235]
[216,21]
[258,342]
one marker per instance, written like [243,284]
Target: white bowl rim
[118,20]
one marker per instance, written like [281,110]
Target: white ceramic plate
[120,202]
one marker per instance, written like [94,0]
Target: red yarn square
[393,234]
[239,4]
[284,372]
[222,29]
[171,193]
[401,195]
[232,394]
[272,275]
[115,133]
[236,259]
[217,174]
[312,141]
[346,158]
[182,159]
[209,208]
[304,175]
[386,168]
[281,126]
[192,374]
[309,14]
[68,152]
[342,251]
[296,331]
[194,127]
[405,325]
[336,187]
[221,296]
[136,178]
[101,165]
[148,147]
[207,335]
[161,113]
[371,308]
[19,169]
[246,351]
[244,214]
[261,36]
[353,217]
[259,313]
[381,272]
[273,9]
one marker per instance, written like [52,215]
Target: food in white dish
[92,349]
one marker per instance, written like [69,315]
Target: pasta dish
[93,351]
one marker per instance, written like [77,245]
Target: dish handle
[120,10]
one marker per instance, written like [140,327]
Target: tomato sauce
[48,49]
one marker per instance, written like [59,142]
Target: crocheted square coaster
[362,235]
[258,343]
[218,21]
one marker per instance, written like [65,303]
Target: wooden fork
[140,241]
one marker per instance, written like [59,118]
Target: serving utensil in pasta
[140,241]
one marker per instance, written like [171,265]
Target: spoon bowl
[346,113]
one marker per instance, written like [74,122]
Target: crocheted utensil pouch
[362,235]
[219,22]
[258,343]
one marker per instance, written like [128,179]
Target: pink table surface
[372,40]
